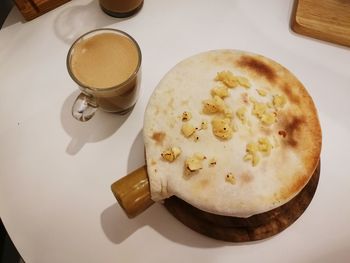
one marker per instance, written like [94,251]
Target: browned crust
[158,137]
[303,130]
[299,127]
[257,66]
[290,93]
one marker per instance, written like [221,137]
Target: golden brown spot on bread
[298,183]
[158,137]
[258,67]
[266,130]
[291,128]
[246,178]
[153,162]
[245,98]
[290,94]
[203,183]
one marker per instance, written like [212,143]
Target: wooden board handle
[133,192]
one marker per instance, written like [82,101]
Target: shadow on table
[100,127]
[118,227]
[74,21]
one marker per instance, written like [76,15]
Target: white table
[55,173]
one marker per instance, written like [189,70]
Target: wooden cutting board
[31,9]
[327,20]
[235,229]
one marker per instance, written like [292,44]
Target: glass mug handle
[84,107]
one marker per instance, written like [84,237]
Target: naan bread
[267,160]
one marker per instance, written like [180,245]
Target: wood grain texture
[327,20]
[253,228]
[31,9]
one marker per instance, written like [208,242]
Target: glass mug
[121,8]
[106,65]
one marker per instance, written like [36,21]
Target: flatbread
[231,182]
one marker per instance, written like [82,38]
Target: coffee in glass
[105,63]
[121,8]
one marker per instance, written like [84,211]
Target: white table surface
[55,173]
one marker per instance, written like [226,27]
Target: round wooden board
[235,229]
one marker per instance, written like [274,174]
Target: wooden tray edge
[254,228]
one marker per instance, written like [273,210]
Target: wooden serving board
[31,9]
[235,229]
[327,20]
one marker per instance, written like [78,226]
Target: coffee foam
[104,60]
